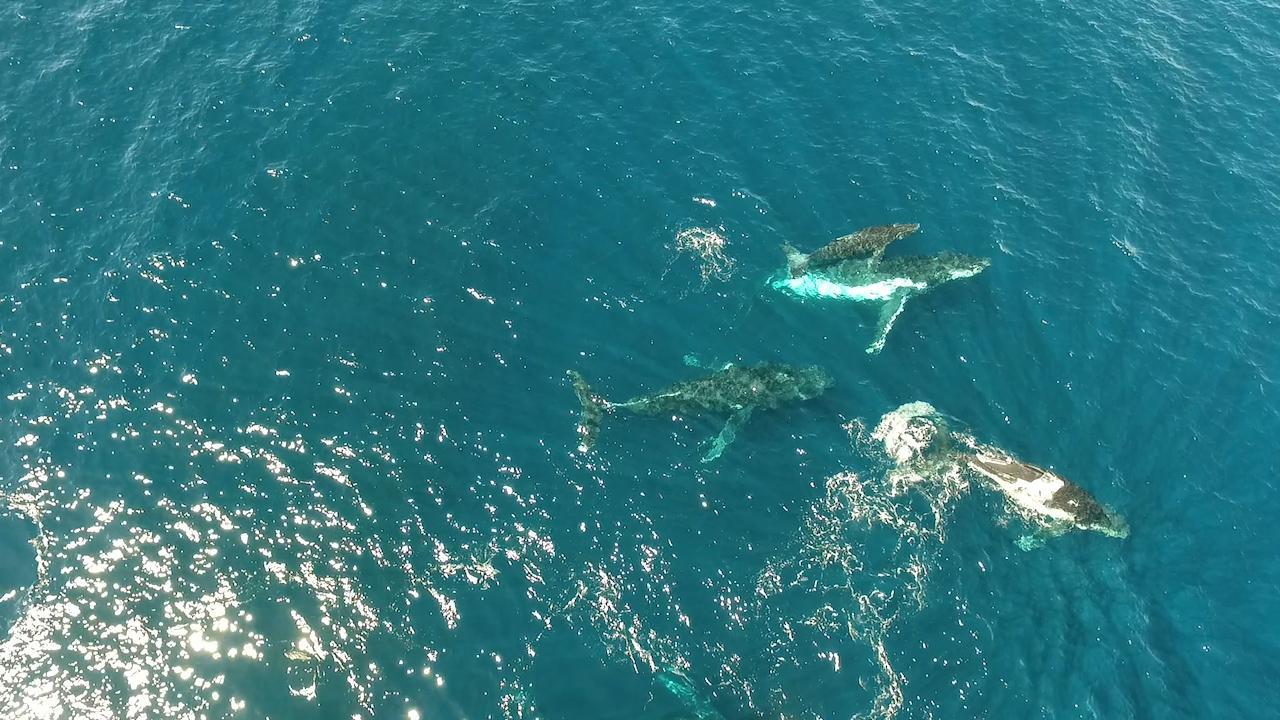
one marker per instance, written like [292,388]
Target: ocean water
[288,292]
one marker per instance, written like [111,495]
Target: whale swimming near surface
[696,706]
[1059,503]
[890,282]
[866,243]
[916,435]
[733,390]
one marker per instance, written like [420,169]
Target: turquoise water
[288,292]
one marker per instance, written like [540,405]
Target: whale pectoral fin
[1037,538]
[1031,541]
[1044,531]
[696,706]
[889,313]
[728,434]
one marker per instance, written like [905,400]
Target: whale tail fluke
[797,262]
[593,407]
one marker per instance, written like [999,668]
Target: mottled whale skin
[917,435]
[1044,493]
[733,390]
[890,282]
[867,243]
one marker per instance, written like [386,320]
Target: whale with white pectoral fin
[854,270]
[917,436]
[735,391]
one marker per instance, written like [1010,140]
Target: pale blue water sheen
[288,291]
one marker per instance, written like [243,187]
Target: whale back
[1045,493]
[765,386]
[868,242]
[933,269]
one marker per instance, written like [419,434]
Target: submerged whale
[696,706]
[917,435]
[868,242]
[891,282]
[733,390]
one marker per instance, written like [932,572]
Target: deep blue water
[288,292]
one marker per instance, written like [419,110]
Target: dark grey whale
[733,390]
[868,242]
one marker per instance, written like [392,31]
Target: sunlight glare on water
[289,292]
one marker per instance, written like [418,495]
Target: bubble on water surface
[708,244]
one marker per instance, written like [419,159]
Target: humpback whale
[697,707]
[891,282]
[1060,503]
[732,390]
[868,242]
[917,435]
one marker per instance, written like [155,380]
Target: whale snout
[812,381]
[1102,519]
[970,266]
[1113,526]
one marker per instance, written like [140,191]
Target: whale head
[772,384]
[963,266]
[935,269]
[1103,519]
[949,266]
[808,382]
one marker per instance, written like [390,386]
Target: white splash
[907,431]
[708,245]
[816,286]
